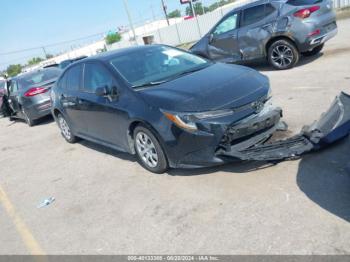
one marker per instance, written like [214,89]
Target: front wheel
[66,130]
[149,151]
[283,54]
[314,51]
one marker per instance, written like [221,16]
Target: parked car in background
[278,31]
[3,92]
[67,62]
[169,107]
[29,96]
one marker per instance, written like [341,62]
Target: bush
[113,38]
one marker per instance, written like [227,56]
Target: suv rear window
[303,2]
[255,14]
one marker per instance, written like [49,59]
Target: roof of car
[109,54]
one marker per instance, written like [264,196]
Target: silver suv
[278,31]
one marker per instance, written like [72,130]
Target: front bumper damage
[331,127]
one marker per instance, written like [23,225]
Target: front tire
[149,151]
[283,54]
[314,51]
[66,130]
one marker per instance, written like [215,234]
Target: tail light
[306,12]
[35,91]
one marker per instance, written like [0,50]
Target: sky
[34,23]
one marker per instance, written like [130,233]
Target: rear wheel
[29,121]
[66,130]
[149,152]
[314,51]
[282,54]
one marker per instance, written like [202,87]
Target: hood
[218,86]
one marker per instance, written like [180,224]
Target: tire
[314,51]
[30,122]
[282,54]
[66,130]
[149,152]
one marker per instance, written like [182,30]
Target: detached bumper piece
[331,127]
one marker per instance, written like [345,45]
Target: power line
[50,45]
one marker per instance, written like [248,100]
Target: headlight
[188,120]
[181,121]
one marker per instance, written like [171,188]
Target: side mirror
[102,91]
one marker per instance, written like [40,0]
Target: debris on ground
[46,202]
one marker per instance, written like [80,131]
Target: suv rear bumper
[322,39]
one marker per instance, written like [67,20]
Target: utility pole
[44,51]
[165,12]
[192,7]
[129,18]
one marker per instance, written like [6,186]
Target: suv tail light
[306,12]
[35,91]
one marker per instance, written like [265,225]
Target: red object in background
[188,17]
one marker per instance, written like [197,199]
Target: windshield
[37,77]
[155,64]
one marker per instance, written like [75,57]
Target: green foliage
[35,60]
[13,70]
[113,38]
[198,9]
[174,14]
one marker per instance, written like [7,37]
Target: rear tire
[283,54]
[66,130]
[30,122]
[149,151]
[314,51]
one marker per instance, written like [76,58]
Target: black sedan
[169,107]
[29,96]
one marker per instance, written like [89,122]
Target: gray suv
[278,31]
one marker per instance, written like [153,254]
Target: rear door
[70,85]
[223,42]
[14,96]
[256,28]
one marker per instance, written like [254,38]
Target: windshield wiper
[151,83]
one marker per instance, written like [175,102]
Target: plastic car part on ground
[331,127]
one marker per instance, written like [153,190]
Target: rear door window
[74,75]
[95,76]
[255,14]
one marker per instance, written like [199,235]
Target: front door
[223,40]
[14,96]
[105,116]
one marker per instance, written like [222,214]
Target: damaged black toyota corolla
[167,106]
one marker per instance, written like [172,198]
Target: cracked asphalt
[106,203]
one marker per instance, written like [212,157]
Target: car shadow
[263,66]
[324,177]
[39,122]
[107,150]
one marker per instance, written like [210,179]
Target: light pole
[165,12]
[129,18]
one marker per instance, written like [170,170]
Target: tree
[35,60]
[113,38]
[198,9]
[13,70]
[174,14]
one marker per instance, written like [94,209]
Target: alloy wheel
[146,150]
[282,55]
[64,128]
